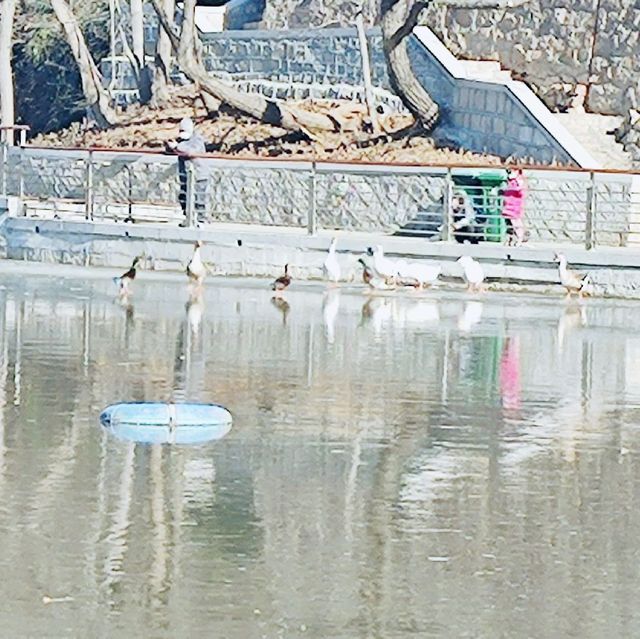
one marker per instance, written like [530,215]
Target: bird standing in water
[473,273]
[331,266]
[572,281]
[196,269]
[123,282]
[280,284]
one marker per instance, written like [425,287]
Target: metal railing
[587,208]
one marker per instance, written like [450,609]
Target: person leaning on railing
[189,145]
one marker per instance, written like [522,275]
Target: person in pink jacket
[514,194]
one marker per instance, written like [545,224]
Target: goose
[196,270]
[371,279]
[417,275]
[281,283]
[473,273]
[124,280]
[382,266]
[331,266]
[572,281]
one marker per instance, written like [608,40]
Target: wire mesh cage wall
[44,175]
[259,192]
[578,207]
[556,206]
[387,200]
[134,180]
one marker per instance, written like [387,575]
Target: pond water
[413,466]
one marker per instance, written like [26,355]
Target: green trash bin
[483,187]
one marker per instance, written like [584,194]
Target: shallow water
[409,466]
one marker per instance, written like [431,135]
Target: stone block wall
[553,44]
[329,56]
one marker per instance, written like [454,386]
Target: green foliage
[47,82]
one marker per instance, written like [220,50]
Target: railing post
[589,233]
[447,200]
[191,194]
[20,171]
[3,168]
[311,209]
[89,195]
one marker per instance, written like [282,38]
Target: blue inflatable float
[167,423]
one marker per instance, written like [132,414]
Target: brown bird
[282,282]
[127,277]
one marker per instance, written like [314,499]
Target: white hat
[186,128]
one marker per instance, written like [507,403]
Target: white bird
[331,266]
[418,275]
[473,273]
[382,266]
[572,281]
[196,270]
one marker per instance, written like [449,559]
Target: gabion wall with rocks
[301,194]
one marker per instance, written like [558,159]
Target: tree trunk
[398,19]
[162,62]
[7,115]
[98,102]
[255,105]
[137,32]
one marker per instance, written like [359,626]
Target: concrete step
[592,131]
[487,70]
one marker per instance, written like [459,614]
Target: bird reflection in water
[330,308]
[471,315]
[283,306]
[376,311]
[574,316]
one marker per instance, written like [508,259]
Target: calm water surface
[436,466]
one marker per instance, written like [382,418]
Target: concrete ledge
[244,250]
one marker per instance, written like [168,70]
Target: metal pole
[3,168]
[89,195]
[20,170]
[366,74]
[447,228]
[590,231]
[191,192]
[311,212]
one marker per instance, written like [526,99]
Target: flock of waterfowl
[379,272]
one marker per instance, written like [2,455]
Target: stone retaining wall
[554,44]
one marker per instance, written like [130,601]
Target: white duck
[572,281]
[382,266]
[331,266]
[196,270]
[473,273]
[417,275]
